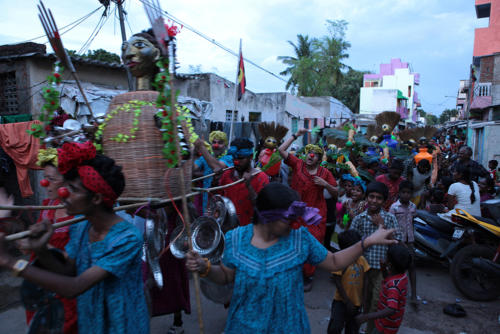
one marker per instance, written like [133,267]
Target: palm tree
[303,52]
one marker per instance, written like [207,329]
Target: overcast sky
[435,37]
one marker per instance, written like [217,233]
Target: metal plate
[231,221]
[217,209]
[206,235]
[179,248]
[155,242]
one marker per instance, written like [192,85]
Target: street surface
[434,287]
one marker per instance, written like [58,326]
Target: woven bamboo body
[142,160]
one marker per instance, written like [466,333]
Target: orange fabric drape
[23,149]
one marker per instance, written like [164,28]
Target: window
[254,116]
[295,125]
[8,93]
[228,115]
[409,91]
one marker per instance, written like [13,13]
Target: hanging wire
[75,23]
[94,33]
[211,40]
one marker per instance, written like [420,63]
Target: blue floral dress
[115,304]
[268,295]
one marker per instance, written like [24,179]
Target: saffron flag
[242,82]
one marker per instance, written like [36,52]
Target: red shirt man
[392,180]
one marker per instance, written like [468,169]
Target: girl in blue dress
[265,260]
[102,267]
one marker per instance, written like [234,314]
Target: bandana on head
[295,210]
[218,135]
[314,149]
[72,155]
[47,156]
[242,152]
[355,180]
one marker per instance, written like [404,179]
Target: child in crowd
[437,202]
[392,301]
[345,192]
[356,204]
[405,211]
[350,284]
[392,180]
[367,223]
[486,188]
[493,166]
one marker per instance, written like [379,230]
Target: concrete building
[483,88]
[462,104]
[392,89]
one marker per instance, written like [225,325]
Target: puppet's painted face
[140,55]
[386,128]
[373,139]
[270,142]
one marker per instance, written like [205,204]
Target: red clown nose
[311,155]
[215,146]
[44,183]
[63,192]
[236,162]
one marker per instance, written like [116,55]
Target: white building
[393,89]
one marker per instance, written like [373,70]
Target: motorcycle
[475,269]
[435,237]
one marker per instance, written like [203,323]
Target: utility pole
[124,39]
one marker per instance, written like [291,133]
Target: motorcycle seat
[435,221]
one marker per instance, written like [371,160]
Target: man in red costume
[310,180]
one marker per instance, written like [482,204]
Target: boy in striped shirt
[392,300]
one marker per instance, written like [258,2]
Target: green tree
[99,54]
[318,67]
[431,119]
[447,114]
[298,64]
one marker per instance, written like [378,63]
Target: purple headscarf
[295,210]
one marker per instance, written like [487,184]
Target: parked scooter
[475,269]
[434,237]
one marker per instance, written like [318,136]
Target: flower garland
[134,106]
[166,115]
[51,96]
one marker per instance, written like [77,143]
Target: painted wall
[375,100]
[487,40]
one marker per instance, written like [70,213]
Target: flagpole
[233,113]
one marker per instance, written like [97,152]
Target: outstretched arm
[340,260]
[286,144]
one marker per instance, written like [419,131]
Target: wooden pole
[233,114]
[187,223]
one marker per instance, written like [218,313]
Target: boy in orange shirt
[351,285]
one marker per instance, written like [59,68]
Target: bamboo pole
[210,175]
[31,207]
[187,224]
[24,234]
[224,186]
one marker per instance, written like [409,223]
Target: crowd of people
[360,229]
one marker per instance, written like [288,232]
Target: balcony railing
[482,89]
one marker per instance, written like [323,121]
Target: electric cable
[209,39]
[75,23]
